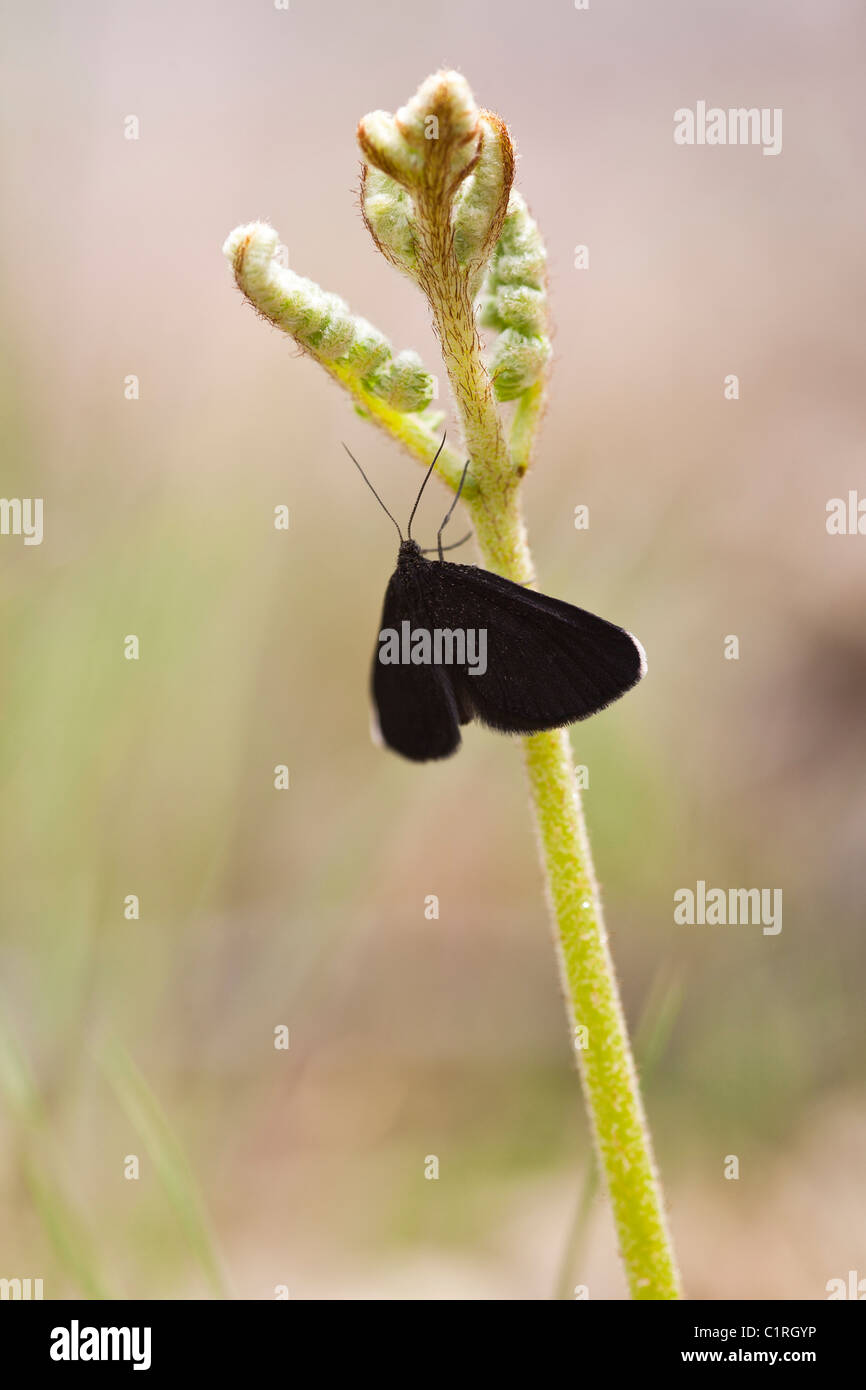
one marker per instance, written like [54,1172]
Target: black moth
[546,663]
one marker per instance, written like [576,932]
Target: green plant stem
[412,431]
[650,1041]
[524,426]
[606,1066]
[421,239]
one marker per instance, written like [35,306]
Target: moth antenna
[373,490]
[450,510]
[422,487]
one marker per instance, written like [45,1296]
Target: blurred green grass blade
[651,1038]
[166,1153]
[62,1225]
[657,1020]
[579,1227]
[71,1242]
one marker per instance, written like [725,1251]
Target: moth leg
[442,548]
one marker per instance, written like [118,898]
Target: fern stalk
[438,201]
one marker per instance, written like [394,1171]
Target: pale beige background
[707,518]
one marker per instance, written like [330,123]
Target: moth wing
[417,710]
[549,663]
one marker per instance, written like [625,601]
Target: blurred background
[409,1037]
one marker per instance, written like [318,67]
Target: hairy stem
[524,426]
[437,199]
[412,431]
[446,289]
[606,1066]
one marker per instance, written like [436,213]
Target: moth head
[409,554]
